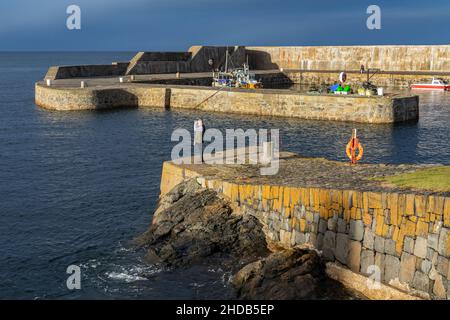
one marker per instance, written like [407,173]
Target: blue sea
[77,187]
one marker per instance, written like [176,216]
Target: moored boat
[236,77]
[436,84]
[239,78]
[245,79]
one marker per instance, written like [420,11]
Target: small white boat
[436,84]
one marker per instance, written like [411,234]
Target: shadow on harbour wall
[260,60]
[114,98]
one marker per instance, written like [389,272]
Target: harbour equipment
[334,87]
[237,77]
[340,89]
[245,79]
[369,88]
[347,89]
[435,85]
[374,71]
[351,148]
[223,79]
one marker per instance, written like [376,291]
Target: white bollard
[177,75]
[49,82]
[121,79]
[380,91]
[281,69]
[132,77]
[267,151]
[83,84]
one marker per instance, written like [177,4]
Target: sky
[175,25]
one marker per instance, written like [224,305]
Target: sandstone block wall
[65,99]
[389,58]
[264,103]
[86,71]
[398,80]
[195,60]
[291,104]
[404,236]
[159,62]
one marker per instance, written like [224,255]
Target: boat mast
[226,61]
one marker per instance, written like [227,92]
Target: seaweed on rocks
[192,224]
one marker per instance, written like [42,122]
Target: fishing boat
[223,79]
[436,85]
[237,77]
[245,79]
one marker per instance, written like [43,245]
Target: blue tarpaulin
[334,87]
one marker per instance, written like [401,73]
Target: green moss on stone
[433,179]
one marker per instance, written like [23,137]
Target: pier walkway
[342,210]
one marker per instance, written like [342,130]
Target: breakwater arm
[354,220]
[263,102]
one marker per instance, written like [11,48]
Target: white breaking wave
[132,274]
[124,277]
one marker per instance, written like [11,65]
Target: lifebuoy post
[351,148]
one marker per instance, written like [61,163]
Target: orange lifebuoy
[351,148]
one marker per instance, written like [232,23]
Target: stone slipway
[262,102]
[339,209]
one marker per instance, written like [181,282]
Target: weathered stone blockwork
[405,236]
[291,104]
[241,101]
[86,71]
[388,57]
[65,99]
[383,79]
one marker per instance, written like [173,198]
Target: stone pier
[261,102]
[184,80]
[360,226]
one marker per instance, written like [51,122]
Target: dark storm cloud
[176,24]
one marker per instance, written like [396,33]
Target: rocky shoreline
[193,223]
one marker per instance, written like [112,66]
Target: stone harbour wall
[255,102]
[86,71]
[291,104]
[404,235]
[195,60]
[403,59]
[397,80]
[389,57]
[66,99]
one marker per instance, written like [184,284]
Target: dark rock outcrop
[288,274]
[193,223]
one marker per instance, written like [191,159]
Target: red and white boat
[436,84]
